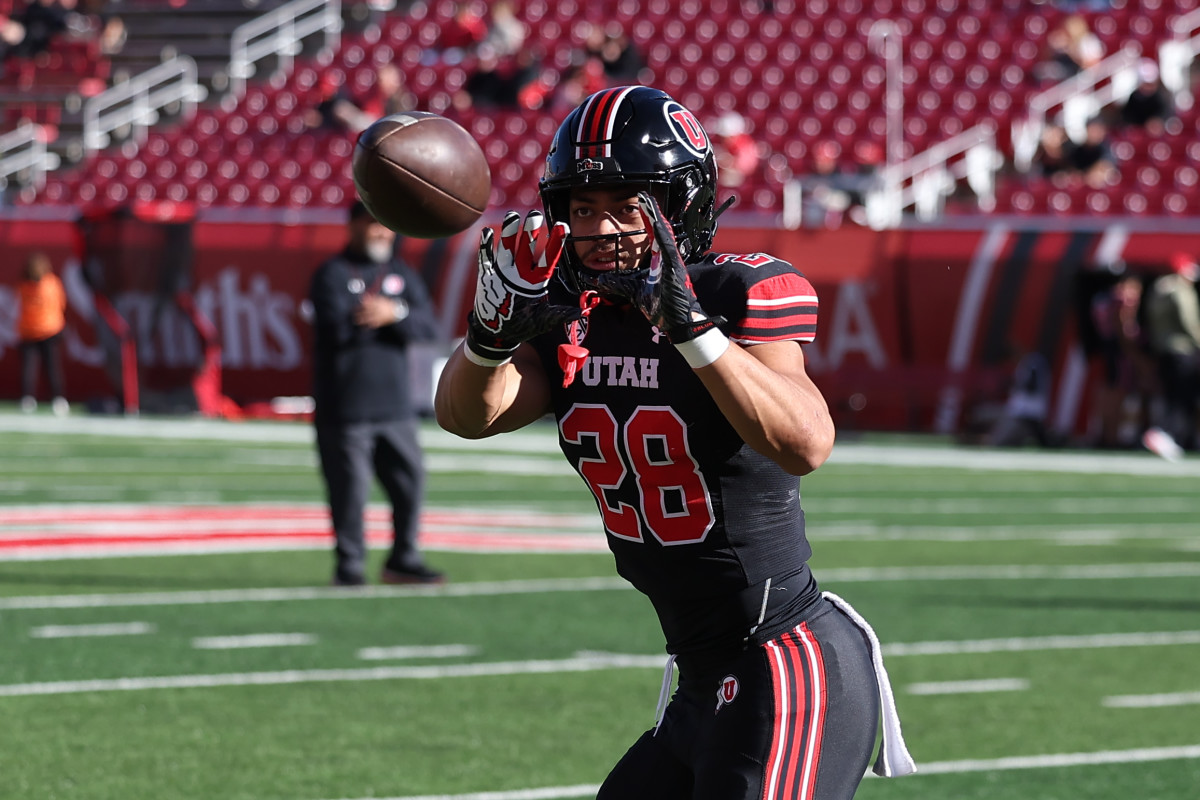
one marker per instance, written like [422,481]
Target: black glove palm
[664,294]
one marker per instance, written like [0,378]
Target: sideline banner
[919,328]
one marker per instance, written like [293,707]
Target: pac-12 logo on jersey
[727,692]
[687,128]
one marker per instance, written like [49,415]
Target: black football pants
[351,454]
[795,719]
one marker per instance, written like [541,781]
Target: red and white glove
[511,303]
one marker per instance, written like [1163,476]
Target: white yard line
[335,675]
[969,687]
[548,793]
[1152,700]
[1035,531]
[542,439]
[991,506]
[1003,572]
[479,589]
[581,662]
[828,576]
[1025,644]
[1140,755]
[108,629]
[253,640]
[1061,760]
[431,651]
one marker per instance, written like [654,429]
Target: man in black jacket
[368,307]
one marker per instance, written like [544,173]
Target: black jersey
[708,528]
[362,374]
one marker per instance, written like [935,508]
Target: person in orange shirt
[43,305]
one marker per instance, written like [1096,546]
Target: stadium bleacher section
[801,73]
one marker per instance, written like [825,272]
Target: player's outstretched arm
[475,401]
[494,382]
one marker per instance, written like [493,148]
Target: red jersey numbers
[651,451]
[754,260]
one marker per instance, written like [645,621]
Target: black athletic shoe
[417,575]
[343,580]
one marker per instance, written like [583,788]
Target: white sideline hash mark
[1152,700]
[477,589]
[932,768]
[104,629]
[970,687]
[1041,643]
[432,651]
[253,640]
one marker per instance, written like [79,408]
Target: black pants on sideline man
[350,455]
[45,350]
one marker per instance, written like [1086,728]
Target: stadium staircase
[801,73]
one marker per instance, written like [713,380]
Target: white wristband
[475,358]
[704,349]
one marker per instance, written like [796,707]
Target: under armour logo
[727,692]
[656,335]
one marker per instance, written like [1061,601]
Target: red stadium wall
[918,326]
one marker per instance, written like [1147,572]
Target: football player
[677,380]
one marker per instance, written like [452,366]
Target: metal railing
[1175,57]
[1080,98]
[928,178]
[137,102]
[279,33]
[24,149]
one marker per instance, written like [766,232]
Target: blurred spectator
[40,322]
[1023,419]
[621,59]
[1093,158]
[737,152]
[831,192]
[11,34]
[388,95]
[495,82]
[1149,105]
[461,34]
[1053,151]
[583,77]
[43,21]
[1173,325]
[340,110]
[1071,48]
[112,35]
[506,34]
[1118,342]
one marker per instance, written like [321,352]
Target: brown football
[421,174]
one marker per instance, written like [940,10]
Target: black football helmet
[639,136]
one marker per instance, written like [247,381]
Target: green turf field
[1040,614]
